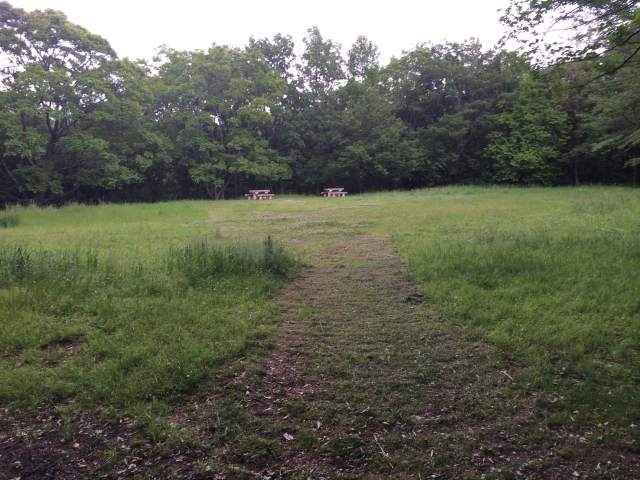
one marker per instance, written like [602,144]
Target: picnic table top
[259,191]
[333,189]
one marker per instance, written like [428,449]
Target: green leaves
[65,106]
[217,109]
[363,59]
[560,31]
[528,145]
[321,67]
[76,123]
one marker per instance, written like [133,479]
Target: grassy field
[111,305]
[106,320]
[551,276]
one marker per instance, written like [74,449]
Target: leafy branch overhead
[561,31]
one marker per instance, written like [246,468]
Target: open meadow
[136,310]
[451,293]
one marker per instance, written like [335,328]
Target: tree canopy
[78,123]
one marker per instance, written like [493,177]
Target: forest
[78,123]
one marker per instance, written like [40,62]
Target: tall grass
[554,283]
[203,261]
[77,324]
[9,217]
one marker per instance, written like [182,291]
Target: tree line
[77,123]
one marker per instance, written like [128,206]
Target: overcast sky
[136,28]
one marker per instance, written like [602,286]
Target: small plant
[21,263]
[9,217]
[66,418]
[152,418]
[307,439]
[14,264]
[256,450]
[275,259]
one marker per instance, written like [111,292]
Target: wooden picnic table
[334,192]
[259,195]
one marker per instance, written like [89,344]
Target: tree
[127,124]
[77,123]
[321,67]
[277,52]
[561,31]
[363,59]
[446,95]
[58,83]
[527,145]
[373,148]
[215,106]
[571,85]
[282,134]
[613,124]
[314,114]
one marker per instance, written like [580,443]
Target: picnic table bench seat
[259,195]
[334,192]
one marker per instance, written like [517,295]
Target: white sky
[136,28]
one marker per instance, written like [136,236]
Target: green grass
[120,332]
[550,275]
[9,217]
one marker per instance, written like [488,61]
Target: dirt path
[366,382]
[362,380]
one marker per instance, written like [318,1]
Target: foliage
[614,125]
[527,145]
[363,59]
[575,30]
[61,88]
[215,107]
[79,124]
[322,64]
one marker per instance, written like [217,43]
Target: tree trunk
[218,193]
[11,176]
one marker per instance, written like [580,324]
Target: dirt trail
[366,382]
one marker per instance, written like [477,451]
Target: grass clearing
[550,275]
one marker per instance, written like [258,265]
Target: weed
[258,451]
[307,439]
[9,217]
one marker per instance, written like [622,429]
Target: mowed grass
[550,275]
